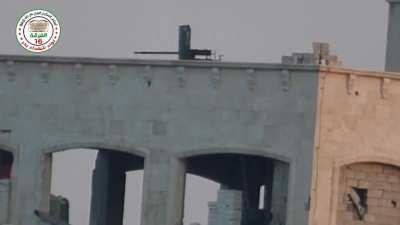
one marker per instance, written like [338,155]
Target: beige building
[356,175]
[356,148]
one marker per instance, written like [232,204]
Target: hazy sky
[252,30]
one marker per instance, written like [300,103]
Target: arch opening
[6,163]
[237,180]
[368,192]
[93,187]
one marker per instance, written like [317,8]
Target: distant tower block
[59,208]
[227,210]
[393,37]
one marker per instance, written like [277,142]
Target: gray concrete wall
[162,110]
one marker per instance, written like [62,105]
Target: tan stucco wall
[382,183]
[357,121]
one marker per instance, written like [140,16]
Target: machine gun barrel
[157,53]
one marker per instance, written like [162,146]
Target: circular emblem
[38,30]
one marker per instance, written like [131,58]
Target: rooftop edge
[153,62]
[193,63]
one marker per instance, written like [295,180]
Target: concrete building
[321,139]
[166,117]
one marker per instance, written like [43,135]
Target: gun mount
[184,47]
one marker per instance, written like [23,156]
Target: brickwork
[382,183]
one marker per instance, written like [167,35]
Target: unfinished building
[169,118]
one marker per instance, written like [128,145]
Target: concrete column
[116,195]
[253,194]
[176,192]
[28,191]
[250,212]
[268,195]
[4,200]
[4,192]
[108,191]
[163,190]
[98,206]
[393,37]
[279,193]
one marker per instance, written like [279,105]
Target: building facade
[166,117]
[321,139]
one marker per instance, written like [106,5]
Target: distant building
[59,208]
[227,210]
[319,56]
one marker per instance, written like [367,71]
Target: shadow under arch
[108,177]
[367,159]
[244,171]
[233,150]
[8,148]
[9,182]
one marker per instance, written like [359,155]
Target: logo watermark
[38,30]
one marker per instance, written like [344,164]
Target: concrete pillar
[4,200]
[108,191]
[4,191]
[253,194]
[268,195]
[98,206]
[279,193]
[28,191]
[393,37]
[163,190]
[116,196]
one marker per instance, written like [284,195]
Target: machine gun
[184,51]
